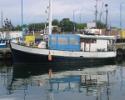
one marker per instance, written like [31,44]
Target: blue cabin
[65,42]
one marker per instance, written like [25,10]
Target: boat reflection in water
[88,82]
[35,83]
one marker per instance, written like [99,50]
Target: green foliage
[80,26]
[36,26]
[100,25]
[18,28]
[55,22]
[66,25]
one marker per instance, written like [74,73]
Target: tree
[55,22]
[18,28]
[66,25]
[36,26]
[100,25]
[80,26]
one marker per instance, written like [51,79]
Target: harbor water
[37,83]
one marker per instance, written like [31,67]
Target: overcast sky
[34,10]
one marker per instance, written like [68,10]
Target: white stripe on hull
[63,53]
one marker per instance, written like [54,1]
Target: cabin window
[88,40]
[62,41]
[73,41]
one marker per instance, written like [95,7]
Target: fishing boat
[3,43]
[66,49]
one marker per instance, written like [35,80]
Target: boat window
[62,41]
[73,41]
[88,40]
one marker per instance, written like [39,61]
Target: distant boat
[3,44]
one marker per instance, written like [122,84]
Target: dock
[5,53]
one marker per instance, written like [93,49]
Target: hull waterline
[20,57]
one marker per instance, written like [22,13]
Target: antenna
[120,17]
[106,20]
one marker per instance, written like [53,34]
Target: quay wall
[5,53]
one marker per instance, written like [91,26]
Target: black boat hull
[20,57]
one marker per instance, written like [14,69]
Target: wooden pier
[5,53]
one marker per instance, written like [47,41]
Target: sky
[84,10]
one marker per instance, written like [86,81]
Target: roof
[103,37]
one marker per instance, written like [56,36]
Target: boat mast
[96,12]
[1,20]
[22,14]
[50,17]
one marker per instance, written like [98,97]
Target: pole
[2,21]
[106,15]
[45,21]
[74,28]
[80,17]
[50,16]
[96,11]
[106,20]
[21,13]
[120,18]
[101,12]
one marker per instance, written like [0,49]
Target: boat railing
[28,45]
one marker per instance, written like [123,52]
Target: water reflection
[38,83]
[5,77]
[90,82]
